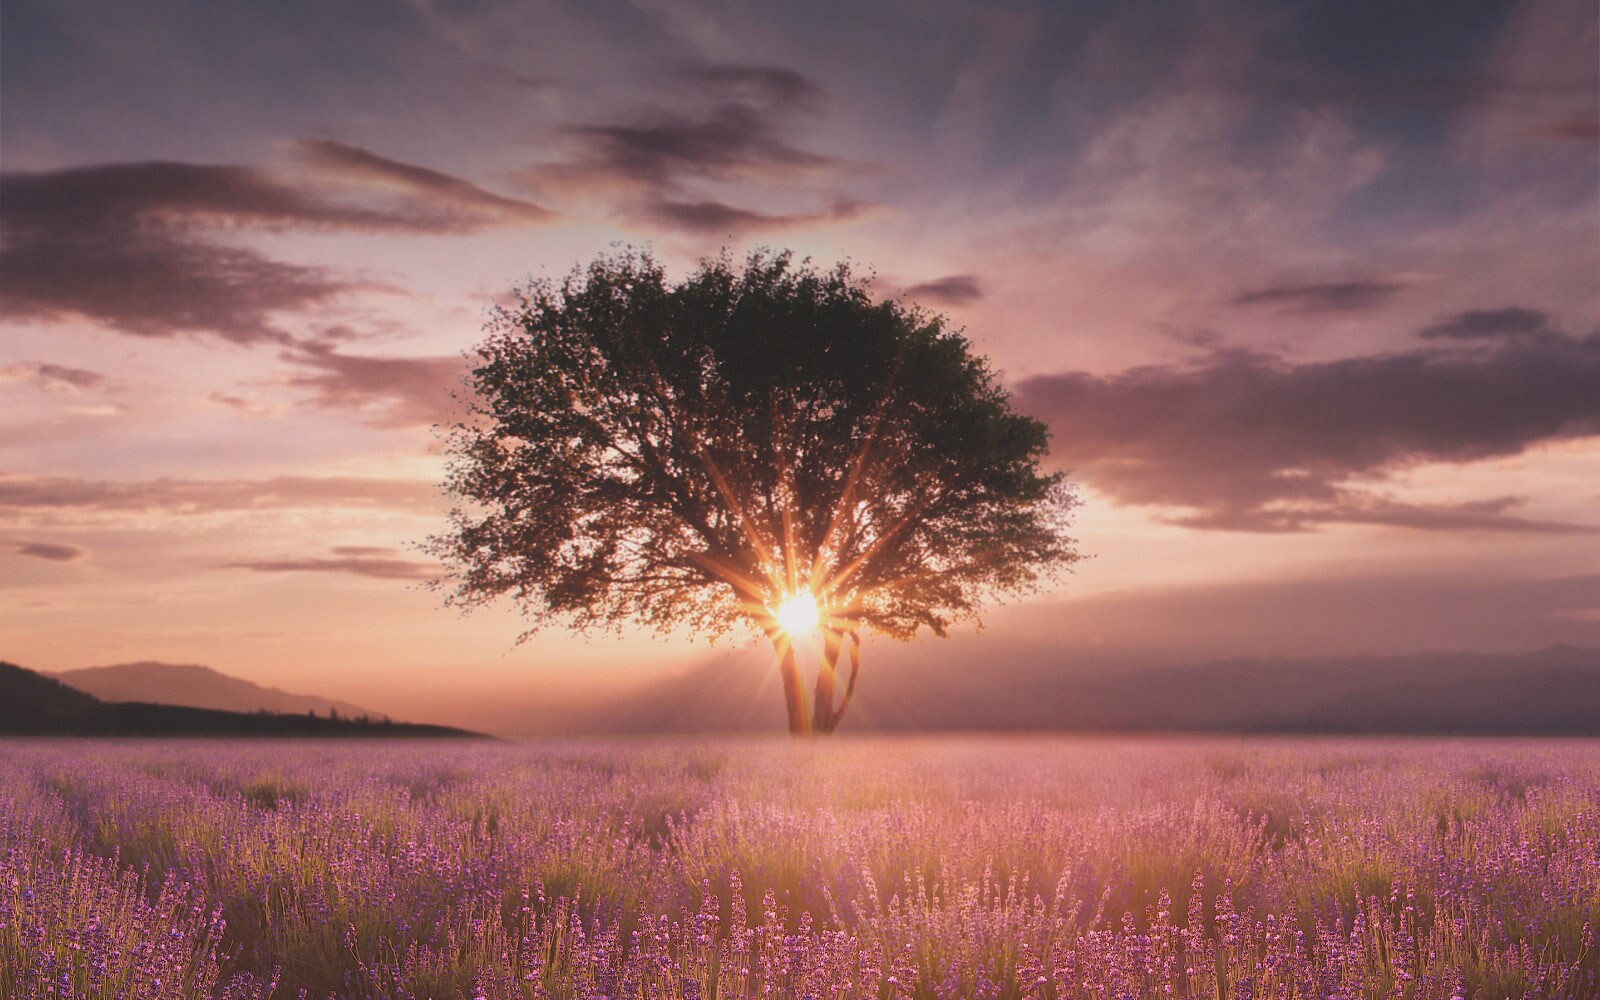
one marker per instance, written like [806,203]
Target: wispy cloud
[65,493]
[715,217]
[951,290]
[358,560]
[388,391]
[769,86]
[666,167]
[1343,296]
[141,248]
[56,378]
[48,550]
[1579,128]
[1488,324]
[241,404]
[440,201]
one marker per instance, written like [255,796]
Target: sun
[798,614]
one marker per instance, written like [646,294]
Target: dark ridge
[32,704]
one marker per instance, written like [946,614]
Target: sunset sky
[1309,294]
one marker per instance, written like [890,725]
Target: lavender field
[982,869]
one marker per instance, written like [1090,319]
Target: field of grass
[950,868]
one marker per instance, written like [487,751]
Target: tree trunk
[823,718]
[794,692]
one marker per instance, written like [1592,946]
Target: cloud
[1344,296]
[713,217]
[769,86]
[663,150]
[21,494]
[359,560]
[1583,128]
[1495,514]
[49,550]
[1480,324]
[242,405]
[140,247]
[154,285]
[1251,442]
[361,550]
[951,290]
[392,392]
[1452,93]
[666,168]
[459,204]
[56,378]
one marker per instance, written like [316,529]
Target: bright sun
[799,613]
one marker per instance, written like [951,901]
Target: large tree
[761,445]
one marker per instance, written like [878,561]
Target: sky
[1308,293]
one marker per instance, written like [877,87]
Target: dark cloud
[139,247]
[392,392]
[62,375]
[22,494]
[1482,324]
[951,290]
[1388,65]
[151,284]
[60,378]
[1251,442]
[49,550]
[359,560]
[1343,296]
[121,244]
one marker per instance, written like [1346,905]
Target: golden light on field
[799,613]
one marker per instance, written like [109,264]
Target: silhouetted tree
[743,447]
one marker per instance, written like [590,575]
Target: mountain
[1554,691]
[36,705]
[196,686]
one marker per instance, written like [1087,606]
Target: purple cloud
[49,550]
[1342,296]
[951,290]
[135,246]
[359,560]
[1253,442]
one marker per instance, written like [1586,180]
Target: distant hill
[1554,691]
[30,699]
[36,705]
[196,686]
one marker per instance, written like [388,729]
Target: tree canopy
[695,454]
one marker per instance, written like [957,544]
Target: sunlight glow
[799,614]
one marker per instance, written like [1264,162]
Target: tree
[761,446]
